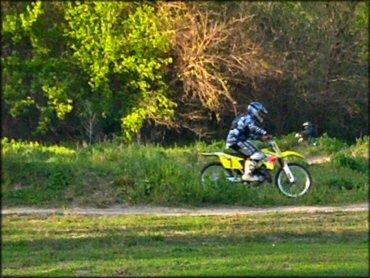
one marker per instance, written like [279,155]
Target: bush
[330,145]
[341,183]
[357,164]
[361,148]
[288,141]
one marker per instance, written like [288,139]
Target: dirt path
[170,211]
[318,159]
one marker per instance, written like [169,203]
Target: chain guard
[262,172]
[265,173]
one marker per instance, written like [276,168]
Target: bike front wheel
[301,184]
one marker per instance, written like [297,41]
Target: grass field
[286,244]
[109,173]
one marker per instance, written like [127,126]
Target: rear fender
[228,161]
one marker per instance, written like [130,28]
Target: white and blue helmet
[307,124]
[257,110]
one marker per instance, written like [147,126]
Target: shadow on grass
[164,247]
[156,253]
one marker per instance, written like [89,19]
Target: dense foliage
[161,71]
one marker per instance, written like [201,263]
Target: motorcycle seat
[234,153]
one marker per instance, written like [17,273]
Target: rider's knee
[257,156]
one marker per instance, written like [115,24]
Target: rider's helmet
[258,110]
[307,124]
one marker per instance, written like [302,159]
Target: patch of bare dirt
[170,211]
[318,159]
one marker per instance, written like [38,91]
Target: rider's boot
[249,167]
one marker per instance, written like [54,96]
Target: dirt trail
[318,159]
[170,211]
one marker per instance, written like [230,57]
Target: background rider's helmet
[257,110]
[307,124]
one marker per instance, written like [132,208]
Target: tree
[122,47]
[39,78]
[60,55]
[149,69]
[213,55]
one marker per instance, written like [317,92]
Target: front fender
[291,153]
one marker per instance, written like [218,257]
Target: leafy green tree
[122,47]
[39,77]
[114,54]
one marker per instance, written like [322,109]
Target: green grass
[109,173]
[311,244]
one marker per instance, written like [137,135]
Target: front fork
[287,171]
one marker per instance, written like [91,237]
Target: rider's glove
[267,137]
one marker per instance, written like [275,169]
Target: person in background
[309,133]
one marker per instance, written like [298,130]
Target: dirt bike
[292,179]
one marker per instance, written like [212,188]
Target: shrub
[341,183]
[288,141]
[330,145]
[361,148]
[359,164]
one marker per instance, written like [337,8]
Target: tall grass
[110,173]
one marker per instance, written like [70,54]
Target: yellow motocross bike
[292,179]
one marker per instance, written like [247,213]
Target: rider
[309,133]
[244,128]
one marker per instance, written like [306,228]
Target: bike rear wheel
[215,173]
[302,181]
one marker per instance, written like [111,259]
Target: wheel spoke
[302,181]
[215,174]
